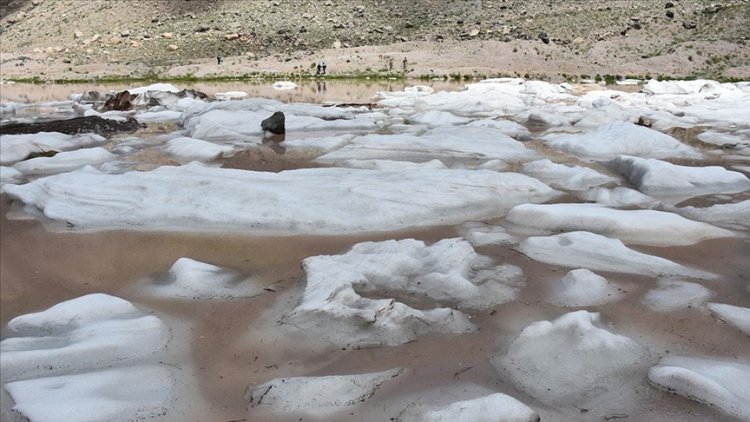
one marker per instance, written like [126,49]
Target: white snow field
[448,271]
[79,360]
[327,200]
[716,382]
[188,149]
[318,396]
[581,249]
[734,215]
[447,144]
[570,360]
[645,227]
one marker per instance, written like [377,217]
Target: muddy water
[236,343]
[312,91]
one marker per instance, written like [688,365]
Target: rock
[36,3]
[668,5]
[125,34]
[274,124]
[94,124]
[167,35]
[95,38]
[121,101]
[202,29]
[336,44]
[645,121]
[689,25]
[474,33]
[670,14]
[543,36]
[77,34]
[714,8]
[172,47]
[232,36]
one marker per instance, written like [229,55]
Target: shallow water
[237,343]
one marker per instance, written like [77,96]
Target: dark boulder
[543,36]
[668,5]
[670,14]
[689,25]
[73,126]
[274,124]
[122,101]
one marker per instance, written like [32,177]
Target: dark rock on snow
[274,124]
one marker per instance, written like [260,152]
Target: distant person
[390,64]
[317,69]
[323,67]
[405,63]
[218,59]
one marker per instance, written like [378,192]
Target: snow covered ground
[534,249]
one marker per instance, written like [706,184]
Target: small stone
[274,124]
[670,14]
[78,34]
[668,5]
[689,25]
[474,33]
[543,36]
[336,44]
[125,34]
[95,38]
[172,47]
[232,36]
[168,35]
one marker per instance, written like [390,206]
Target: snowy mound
[720,383]
[620,138]
[318,396]
[14,148]
[508,127]
[734,315]
[659,178]
[589,250]
[443,143]
[493,408]
[565,177]
[646,227]
[96,396]
[449,271]
[569,360]
[671,295]
[582,288]
[92,358]
[736,216]
[481,234]
[325,200]
[92,331]
[153,87]
[617,197]
[193,279]
[189,149]
[65,161]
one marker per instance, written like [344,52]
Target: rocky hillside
[166,33]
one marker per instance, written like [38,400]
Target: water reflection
[310,91]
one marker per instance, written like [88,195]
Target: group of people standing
[320,69]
